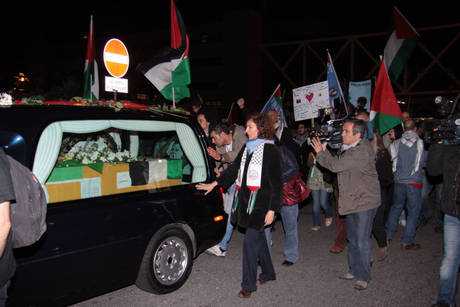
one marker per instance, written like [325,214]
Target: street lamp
[21,81]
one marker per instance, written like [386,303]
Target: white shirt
[346,147]
[229,147]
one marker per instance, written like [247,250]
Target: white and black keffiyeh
[253,177]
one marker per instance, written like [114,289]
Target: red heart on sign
[309,96]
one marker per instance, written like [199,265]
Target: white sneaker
[216,251]
[347,276]
[360,285]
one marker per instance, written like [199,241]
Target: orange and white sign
[116,58]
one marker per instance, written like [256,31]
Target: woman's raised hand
[208,187]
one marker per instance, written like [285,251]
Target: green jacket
[359,188]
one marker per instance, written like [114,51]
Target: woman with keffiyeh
[257,174]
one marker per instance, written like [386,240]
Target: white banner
[309,99]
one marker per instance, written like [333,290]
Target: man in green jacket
[359,195]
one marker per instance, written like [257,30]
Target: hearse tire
[167,262]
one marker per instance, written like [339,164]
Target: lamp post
[20,84]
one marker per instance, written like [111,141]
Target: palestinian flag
[90,75]
[399,46]
[385,111]
[169,70]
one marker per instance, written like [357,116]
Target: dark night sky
[70,18]
[37,26]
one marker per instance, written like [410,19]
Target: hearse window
[84,159]
[14,145]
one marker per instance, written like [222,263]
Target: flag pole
[174,99]
[199,97]
[230,112]
[276,88]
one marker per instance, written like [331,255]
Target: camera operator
[445,160]
[359,194]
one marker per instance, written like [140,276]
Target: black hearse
[122,203]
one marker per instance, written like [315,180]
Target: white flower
[101,145]
[5,99]
[94,155]
[96,151]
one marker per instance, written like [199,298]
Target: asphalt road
[405,278]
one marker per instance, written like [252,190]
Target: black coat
[445,160]
[384,168]
[7,262]
[269,194]
[288,141]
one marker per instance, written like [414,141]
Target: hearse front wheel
[167,262]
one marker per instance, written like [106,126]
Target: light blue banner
[360,89]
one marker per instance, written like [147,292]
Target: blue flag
[335,90]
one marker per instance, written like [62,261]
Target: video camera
[446,128]
[331,132]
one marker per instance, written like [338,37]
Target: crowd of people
[369,186]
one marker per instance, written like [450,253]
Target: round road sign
[116,58]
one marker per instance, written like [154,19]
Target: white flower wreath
[89,152]
[5,99]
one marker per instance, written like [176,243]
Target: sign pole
[115,95]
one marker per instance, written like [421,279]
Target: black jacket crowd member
[445,160]
[257,174]
[7,262]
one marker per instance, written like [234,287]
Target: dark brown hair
[264,124]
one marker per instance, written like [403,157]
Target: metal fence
[432,69]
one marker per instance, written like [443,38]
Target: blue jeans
[404,195]
[228,201]
[320,200]
[359,227]
[227,237]
[426,210]
[450,261]
[289,215]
